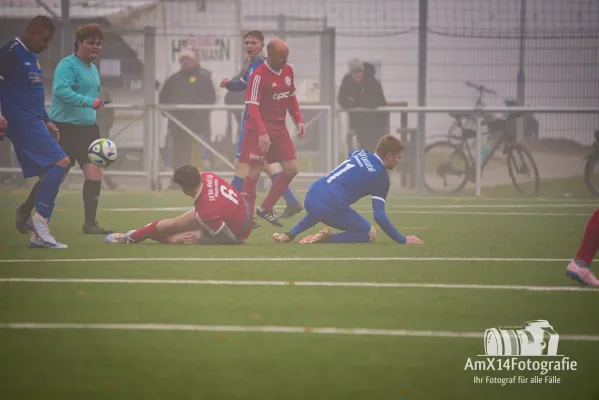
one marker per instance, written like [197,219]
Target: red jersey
[274,94]
[218,203]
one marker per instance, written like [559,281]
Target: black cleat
[94,229]
[292,210]
[255,224]
[269,215]
[21,221]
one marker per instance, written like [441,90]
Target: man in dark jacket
[191,85]
[360,89]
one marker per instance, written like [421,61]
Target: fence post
[422,64]
[327,97]
[150,141]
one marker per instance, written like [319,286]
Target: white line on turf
[305,283]
[283,259]
[271,329]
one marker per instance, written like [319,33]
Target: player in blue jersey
[329,199]
[254,47]
[29,128]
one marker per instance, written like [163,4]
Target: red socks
[146,232]
[590,240]
[276,191]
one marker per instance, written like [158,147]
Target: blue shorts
[35,147]
[343,218]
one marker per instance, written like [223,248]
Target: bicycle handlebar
[480,88]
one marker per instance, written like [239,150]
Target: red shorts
[281,146]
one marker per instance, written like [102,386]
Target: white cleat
[322,236]
[119,238]
[40,226]
[36,243]
[582,275]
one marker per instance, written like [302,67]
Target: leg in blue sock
[306,223]
[48,190]
[355,226]
[287,195]
[237,183]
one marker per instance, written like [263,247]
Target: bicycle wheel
[591,174]
[445,161]
[521,163]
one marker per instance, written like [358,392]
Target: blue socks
[287,195]
[350,237]
[306,223]
[48,190]
[237,183]
[290,199]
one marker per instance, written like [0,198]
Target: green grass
[220,364]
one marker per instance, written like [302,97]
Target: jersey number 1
[336,172]
[229,194]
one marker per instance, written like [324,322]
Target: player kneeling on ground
[329,199]
[220,215]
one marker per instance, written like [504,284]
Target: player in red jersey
[220,215]
[269,95]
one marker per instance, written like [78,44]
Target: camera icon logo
[533,338]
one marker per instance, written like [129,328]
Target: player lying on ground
[579,267]
[220,214]
[270,94]
[254,46]
[329,199]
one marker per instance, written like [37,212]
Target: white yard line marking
[271,329]
[283,259]
[305,283]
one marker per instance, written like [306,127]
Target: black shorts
[75,141]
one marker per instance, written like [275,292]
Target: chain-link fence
[537,53]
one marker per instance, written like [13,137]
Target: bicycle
[502,130]
[592,160]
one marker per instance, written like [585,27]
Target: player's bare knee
[64,162]
[372,234]
[292,170]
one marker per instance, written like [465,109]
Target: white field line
[304,283]
[280,259]
[270,329]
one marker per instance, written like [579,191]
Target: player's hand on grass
[264,142]
[301,129]
[413,240]
[97,104]
[53,129]
[224,82]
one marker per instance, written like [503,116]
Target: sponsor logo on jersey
[282,95]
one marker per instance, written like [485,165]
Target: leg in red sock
[146,232]
[590,241]
[279,186]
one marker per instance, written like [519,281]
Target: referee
[75,99]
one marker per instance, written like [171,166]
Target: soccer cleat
[39,225]
[322,236]
[36,243]
[255,224]
[94,229]
[119,238]
[581,274]
[292,210]
[269,215]
[21,221]
[282,237]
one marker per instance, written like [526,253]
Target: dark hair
[257,34]
[85,32]
[188,177]
[389,144]
[41,23]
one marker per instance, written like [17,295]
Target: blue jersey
[21,90]
[361,175]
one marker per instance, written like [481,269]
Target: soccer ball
[102,152]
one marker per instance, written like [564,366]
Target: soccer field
[291,321]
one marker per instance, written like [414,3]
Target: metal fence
[539,53]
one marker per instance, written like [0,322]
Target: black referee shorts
[75,141]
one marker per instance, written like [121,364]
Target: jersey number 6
[229,194]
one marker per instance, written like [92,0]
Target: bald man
[269,95]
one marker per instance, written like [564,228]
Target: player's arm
[253,96]
[62,88]
[293,105]
[239,82]
[8,64]
[379,198]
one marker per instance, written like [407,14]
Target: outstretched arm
[380,216]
